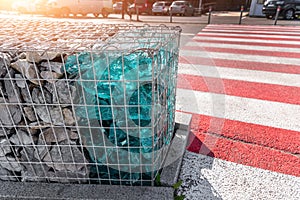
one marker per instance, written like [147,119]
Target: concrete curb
[169,176]
[170,172]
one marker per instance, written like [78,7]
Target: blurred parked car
[183,8]
[145,7]
[117,7]
[83,7]
[289,8]
[161,7]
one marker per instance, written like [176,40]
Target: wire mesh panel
[86,103]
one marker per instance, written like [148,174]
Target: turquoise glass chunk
[131,94]
[105,110]
[140,102]
[120,138]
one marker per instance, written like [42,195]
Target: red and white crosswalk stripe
[242,86]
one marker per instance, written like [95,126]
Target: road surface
[242,86]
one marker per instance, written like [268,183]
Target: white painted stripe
[266,113]
[232,26]
[241,57]
[283,36]
[205,177]
[241,46]
[248,40]
[241,74]
[286,32]
[246,27]
[253,28]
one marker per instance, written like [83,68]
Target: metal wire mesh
[86,103]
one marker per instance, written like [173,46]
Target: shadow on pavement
[195,185]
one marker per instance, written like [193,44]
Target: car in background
[161,7]
[144,6]
[288,8]
[142,9]
[183,8]
[83,7]
[117,7]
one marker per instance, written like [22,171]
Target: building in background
[256,8]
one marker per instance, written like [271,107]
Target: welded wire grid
[86,103]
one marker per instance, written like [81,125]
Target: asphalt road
[241,85]
[190,24]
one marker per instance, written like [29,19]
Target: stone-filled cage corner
[84,102]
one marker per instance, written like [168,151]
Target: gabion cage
[86,103]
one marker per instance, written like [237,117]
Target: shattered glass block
[132,93]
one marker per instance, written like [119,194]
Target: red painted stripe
[243,51]
[250,43]
[248,37]
[246,154]
[282,68]
[263,91]
[256,32]
[275,138]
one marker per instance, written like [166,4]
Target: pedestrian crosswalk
[242,85]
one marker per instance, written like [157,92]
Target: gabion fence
[86,103]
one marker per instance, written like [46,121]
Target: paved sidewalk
[207,178]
